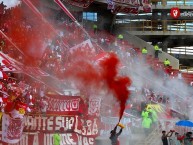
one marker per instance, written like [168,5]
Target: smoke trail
[172,88]
[10,3]
[28,33]
[117,84]
[95,78]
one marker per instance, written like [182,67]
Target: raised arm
[115,128]
[170,132]
[119,133]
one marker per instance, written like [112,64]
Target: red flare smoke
[115,83]
[89,75]
[28,33]
[82,70]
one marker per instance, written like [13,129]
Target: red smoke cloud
[82,70]
[28,32]
[105,73]
[117,84]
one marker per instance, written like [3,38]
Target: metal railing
[152,138]
[186,69]
[157,25]
[180,51]
[172,2]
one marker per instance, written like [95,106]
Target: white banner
[84,45]
[11,129]
[94,106]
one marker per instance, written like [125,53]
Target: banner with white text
[47,139]
[64,105]
[74,130]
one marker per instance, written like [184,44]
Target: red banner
[133,10]
[80,3]
[79,130]
[124,9]
[64,105]
[7,64]
[128,2]
[66,114]
[129,6]
[47,139]
[132,3]
[75,124]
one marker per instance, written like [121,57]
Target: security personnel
[95,27]
[167,62]
[120,37]
[146,121]
[156,48]
[144,50]
[154,116]
[56,138]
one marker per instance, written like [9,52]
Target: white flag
[12,129]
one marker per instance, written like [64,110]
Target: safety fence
[172,2]
[156,25]
[187,69]
[180,50]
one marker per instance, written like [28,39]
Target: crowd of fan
[56,55]
[19,88]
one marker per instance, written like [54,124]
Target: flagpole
[63,7]
[37,12]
